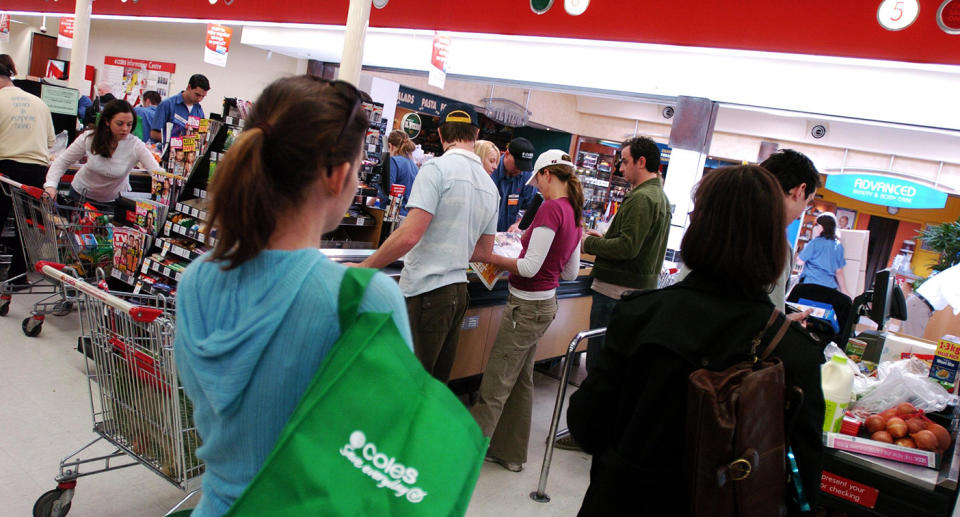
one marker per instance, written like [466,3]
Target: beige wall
[247,72]
[21,36]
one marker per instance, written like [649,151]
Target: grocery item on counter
[946,362]
[837,382]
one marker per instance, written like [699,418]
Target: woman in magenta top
[551,251]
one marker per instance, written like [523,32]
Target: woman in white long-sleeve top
[551,251]
[111,152]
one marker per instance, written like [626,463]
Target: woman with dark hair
[822,257]
[7,61]
[257,316]
[111,153]
[630,412]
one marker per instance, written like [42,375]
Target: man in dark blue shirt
[178,108]
[146,112]
[511,179]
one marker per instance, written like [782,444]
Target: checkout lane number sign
[882,190]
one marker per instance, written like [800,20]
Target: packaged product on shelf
[163,187]
[129,245]
[175,160]
[203,126]
[193,125]
[149,216]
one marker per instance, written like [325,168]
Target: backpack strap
[782,331]
[354,284]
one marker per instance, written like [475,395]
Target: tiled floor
[45,415]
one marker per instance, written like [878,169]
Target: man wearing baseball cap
[511,178]
[451,221]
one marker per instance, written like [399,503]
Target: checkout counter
[866,486]
[482,319]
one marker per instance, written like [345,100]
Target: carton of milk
[946,362]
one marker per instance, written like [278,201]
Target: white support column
[690,139]
[81,39]
[358,18]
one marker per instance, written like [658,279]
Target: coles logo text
[382,468]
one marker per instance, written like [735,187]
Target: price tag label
[167,272]
[155,266]
[178,277]
[138,287]
[165,249]
[146,268]
[166,228]
[360,221]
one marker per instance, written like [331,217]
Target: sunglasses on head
[348,90]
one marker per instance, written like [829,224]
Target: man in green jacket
[630,254]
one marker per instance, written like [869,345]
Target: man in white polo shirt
[452,221]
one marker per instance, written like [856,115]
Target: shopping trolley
[137,403]
[77,237]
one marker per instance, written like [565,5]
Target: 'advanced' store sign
[882,190]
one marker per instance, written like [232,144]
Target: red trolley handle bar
[139,313]
[36,192]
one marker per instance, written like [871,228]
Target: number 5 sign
[895,15]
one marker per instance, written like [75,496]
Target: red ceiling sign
[823,27]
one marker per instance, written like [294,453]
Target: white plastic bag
[904,381]
[59,145]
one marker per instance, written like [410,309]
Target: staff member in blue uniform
[511,178]
[178,108]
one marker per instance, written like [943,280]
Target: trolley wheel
[32,327]
[4,307]
[49,505]
[62,308]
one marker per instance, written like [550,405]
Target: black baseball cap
[522,151]
[460,112]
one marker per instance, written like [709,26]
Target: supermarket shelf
[126,278]
[191,211]
[183,231]
[358,221]
[158,268]
[168,246]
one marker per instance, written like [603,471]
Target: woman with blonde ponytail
[551,251]
[402,169]
[257,316]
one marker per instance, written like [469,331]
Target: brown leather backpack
[736,453]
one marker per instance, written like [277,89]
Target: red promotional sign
[158,66]
[218,44]
[848,489]
[65,34]
[438,60]
[397,190]
[4,27]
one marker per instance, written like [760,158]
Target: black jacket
[630,412]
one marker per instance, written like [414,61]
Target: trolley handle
[36,192]
[139,313]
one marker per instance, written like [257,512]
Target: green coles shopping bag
[374,434]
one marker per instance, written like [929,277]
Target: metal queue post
[540,495]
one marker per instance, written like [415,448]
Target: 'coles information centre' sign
[881,190]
